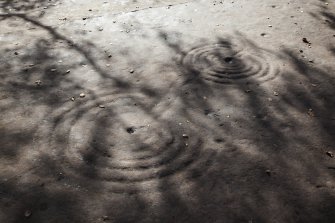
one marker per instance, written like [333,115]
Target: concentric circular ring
[222,63]
[115,138]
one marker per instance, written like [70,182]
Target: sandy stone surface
[149,111]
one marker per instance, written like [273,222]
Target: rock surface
[194,111]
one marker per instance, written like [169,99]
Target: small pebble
[130,130]
[311,112]
[329,153]
[27,213]
[268,172]
[82,95]
[305,40]
[38,82]
[105,218]
[131,71]
[101,106]
[185,136]
[275,93]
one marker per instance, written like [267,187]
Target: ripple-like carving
[222,63]
[115,138]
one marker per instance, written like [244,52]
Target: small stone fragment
[105,218]
[131,71]
[60,176]
[68,71]
[101,106]
[82,95]
[268,172]
[38,82]
[27,213]
[72,99]
[305,40]
[53,70]
[275,93]
[311,112]
[185,136]
[329,153]
[130,130]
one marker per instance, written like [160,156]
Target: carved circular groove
[221,63]
[121,142]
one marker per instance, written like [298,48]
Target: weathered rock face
[167,111]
